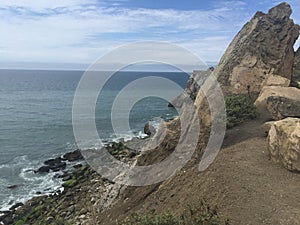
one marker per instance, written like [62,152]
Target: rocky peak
[281,12]
[264,47]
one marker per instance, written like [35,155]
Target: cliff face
[296,69]
[262,48]
[192,88]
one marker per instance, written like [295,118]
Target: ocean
[36,123]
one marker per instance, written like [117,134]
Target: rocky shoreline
[80,176]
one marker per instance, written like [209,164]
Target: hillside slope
[242,182]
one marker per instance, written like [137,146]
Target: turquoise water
[36,123]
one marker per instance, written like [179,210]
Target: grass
[200,214]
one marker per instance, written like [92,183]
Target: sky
[75,33]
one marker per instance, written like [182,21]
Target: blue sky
[69,32]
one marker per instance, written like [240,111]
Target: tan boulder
[267,126]
[278,102]
[275,80]
[284,143]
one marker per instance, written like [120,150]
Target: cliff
[242,184]
[296,69]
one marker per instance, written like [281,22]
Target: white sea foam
[29,184]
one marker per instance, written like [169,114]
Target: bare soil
[244,184]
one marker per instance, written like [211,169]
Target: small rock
[13,186]
[77,166]
[43,169]
[73,156]
[49,220]
[16,206]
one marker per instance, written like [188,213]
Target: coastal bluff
[254,178]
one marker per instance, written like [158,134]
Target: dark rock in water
[66,178]
[73,156]
[56,164]
[16,206]
[53,161]
[7,218]
[170,105]
[13,186]
[77,166]
[43,169]
[62,175]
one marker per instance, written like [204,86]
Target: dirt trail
[242,182]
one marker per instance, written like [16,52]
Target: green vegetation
[20,222]
[195,215]
[116,148]
[70,183]
[239,109]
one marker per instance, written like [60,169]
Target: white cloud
[79,31]
[44,4]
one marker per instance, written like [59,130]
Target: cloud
[79,31]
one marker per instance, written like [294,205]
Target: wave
[20,172]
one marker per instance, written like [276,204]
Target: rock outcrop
[192,88]
[296,69]
[274,80]
[278,103]
[284,143]
[264,47]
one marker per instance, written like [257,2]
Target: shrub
[200,214]
[238,109]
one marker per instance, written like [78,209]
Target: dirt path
[243,183]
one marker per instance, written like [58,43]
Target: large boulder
[263,47]
[284,143]
[281,107]
[278,102]
[296,69]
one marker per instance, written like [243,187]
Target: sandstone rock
[292,95]
[296,69]
[284,143]
[264,47]
[281,107]
[274,80]
[267,126]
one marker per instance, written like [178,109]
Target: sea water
[36,123]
